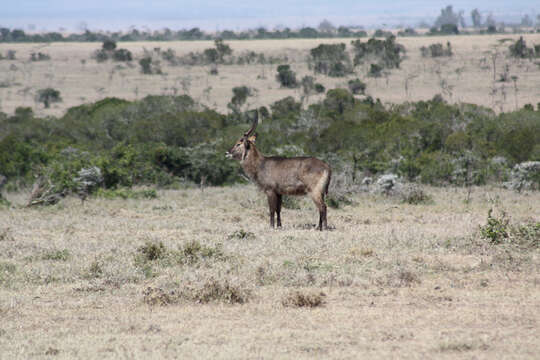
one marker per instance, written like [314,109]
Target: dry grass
[177,277]
[467,77]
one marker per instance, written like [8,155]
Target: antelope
[277,176]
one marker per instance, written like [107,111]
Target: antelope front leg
[272,205]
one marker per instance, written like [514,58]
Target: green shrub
[57,255]
[126,193]
[193,252]
[151,251]
[499,229]
[242,235]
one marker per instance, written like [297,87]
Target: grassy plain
[399,281]
[468,76]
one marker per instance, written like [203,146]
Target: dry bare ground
[466,77]
[198,274]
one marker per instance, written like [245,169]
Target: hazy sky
[239,14]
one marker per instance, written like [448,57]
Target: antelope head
[240,149]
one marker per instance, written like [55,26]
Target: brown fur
[278,176]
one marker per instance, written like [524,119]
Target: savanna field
[199,274]
[125,233]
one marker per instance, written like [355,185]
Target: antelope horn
[254,126]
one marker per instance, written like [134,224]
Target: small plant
[95,269]
[126,193]
[219,291]
[497,228]
[157,296]
[242,235]
[303,299]
[152,251]
[56,255]
[192,252]
[48,96]
[414,195]
[286,77]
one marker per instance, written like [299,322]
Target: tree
[448,16]
[476,18]
[286,77]
[331,60]
[48,96]
[222,49]
[240,95]
[526,20]
[327,27]
[490,20]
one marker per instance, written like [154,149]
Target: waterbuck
[278,176]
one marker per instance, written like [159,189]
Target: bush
[122,55]
[499,230]
[375,70]
[319,88]
[149,66]
[108,45]
[39,57]
[303,299]
[151,251]
[414,195]
[356,86]
[286,77]
[519,49]
[436,50]
[525,176]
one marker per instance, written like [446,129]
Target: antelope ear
[253,138]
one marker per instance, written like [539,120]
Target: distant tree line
[448,22]
[17,35]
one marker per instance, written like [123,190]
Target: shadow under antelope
[277,176]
